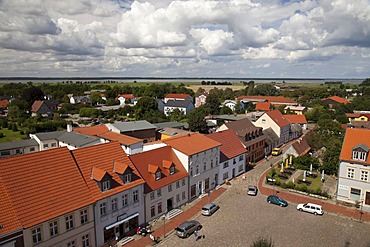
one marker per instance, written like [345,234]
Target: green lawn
[315,182]
[9,135]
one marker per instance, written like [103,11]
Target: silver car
[185,229]
[252,190]
[209,209]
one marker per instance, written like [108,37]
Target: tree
[196,120]
[31,94]
[331,156]
[225,110]
[144,105]
[366,82]
[176,115]
[213,103]
[266,90]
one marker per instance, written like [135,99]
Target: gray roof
[296,128]
[43,136]
[133,125]
[362,146]
[18,144]
[78,140]
[178,103]
[177,125]
[270,135]
[229,117]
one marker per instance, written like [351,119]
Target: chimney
[69,127]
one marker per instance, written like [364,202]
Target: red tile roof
[127,96]
[271,99]
[301,146]
[263,106]
[177,95]
[97,174]
[104,156]
[231,146]
[353,138]
[121,138]
[92,130]
[43,185]
[278,118]
[155,158]
[36,105]
[8,217]
[191,143]
[296,119]
[337,99]
[4,103]
[357,115]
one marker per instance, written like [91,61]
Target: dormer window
[106,185]
[158,175]
[127,178]
[360,152]
[172,170]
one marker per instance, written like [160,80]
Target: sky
[195,38]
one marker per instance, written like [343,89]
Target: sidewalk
[170,225]
[296,198]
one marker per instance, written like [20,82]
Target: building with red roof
[354,168]
[127,99]
[297,119]
[334,100]
[298,148]
[274,100]
[232,155]
[263,106]
[166,180]
[177,96]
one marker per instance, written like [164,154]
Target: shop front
[124,226]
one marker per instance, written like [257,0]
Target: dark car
[277,200]
[187,228]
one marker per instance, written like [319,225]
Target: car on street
[311,208]
[276,152]
[185,229]
[252,190]
[277,201]
[209,209]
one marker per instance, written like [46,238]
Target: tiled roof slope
[92,130]
[231,146]
[353,138]
[278,118]
[242,126]
[43,185]
[121,138]
[301,146]
[103,156]
[296,119]
[177,95]
[8,218]
[263,106]
[337,99]
[271,99]
[4,103]
[133,125]
[192,143]
[158,158]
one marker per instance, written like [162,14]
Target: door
[169,204]
[216,179]
[233,173]
[200,187]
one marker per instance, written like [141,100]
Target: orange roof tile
[36,105]
[103,156]
[4,103]
[92,130]
[337,99]
[8,218]
[353,138]
[271,99]
[231,145]
[44,185]
[121,138]
[263,106]
[191,143]
[127,96]
[301,146]
[278,118]
[156,157]
[167,164]
[97,174]
[177,95]
[119,167]
[296,119]
[153,168]
[352,114]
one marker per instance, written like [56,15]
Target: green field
[9,135]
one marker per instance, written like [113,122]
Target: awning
[121,221]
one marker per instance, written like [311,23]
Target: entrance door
[169,204]
[216,179]
[233,173]
[200,187]
[367,198]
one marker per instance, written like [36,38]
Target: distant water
[169,80]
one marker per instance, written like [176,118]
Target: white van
[311,208]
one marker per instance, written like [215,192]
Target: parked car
[209,209]
[277,200]
[185,229]
[252,190]
[311,208]
[276,152]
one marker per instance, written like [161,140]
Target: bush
[21,132]
[1,134]
[283,185]
[14,127]
[290,185]
[262,242]
[302,187]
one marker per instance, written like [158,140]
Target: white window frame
[114,204]
[37,235]
[159,192]
[159,207]
[157,175]
[135,196]
[226,164]
[69,222]
[125,200]
[152,196]
[106,185]
[169,187]
[172,170]
[71,244]
[84,216]
[103,209]
[53,227]
[364,175]
[127,178]
[85,241]
[177,184]
[350,172]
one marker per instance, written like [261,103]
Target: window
[355,194]
[234,161]
[183,195]
[358,155]
[53,145]
[362,156]
[263,121]
[85,241]
[197,169]
[211,163]
[71,244]
[157,175]
[114,204]
[159,207]
[205,166]
[193,190]
[226,175]
[240,168]
[169,187]
[106,185]
[135,196]
[124,200]
[103,209]
[127,178]
[178,197]
[241,157]
[83,214]
[191,171]
[69,222]
[159,192]
[151,195]
[177,184]
[53,228]
[32,149]
[152,211]
[364,175]
[183,182]
[172,170]
[46,145]
[17,151]
[350,173]
[226,164]
[36,235]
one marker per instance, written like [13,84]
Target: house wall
[200,100]
[122,212]
[65,236]
[46,144]
[266,122]
[20,150]
[148,135]
[345,184]
[236,168]
[176,193]
[290,151]
[151,146]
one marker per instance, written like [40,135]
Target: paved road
[243,219]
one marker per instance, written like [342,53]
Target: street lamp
[361,212]
[164,225]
